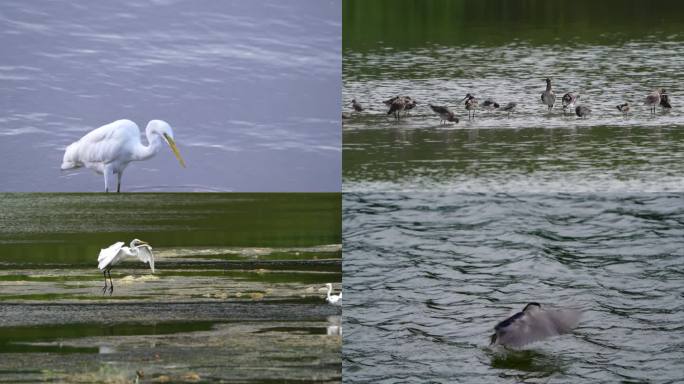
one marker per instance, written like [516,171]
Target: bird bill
[172,144]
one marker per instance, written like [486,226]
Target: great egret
[534,324]
[111,255]
[333,299]
[108,150]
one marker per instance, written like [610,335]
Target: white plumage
[113,254]
[333,299]
[108,149]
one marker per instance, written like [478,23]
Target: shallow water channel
[238,293]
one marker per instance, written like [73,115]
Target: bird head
[531,306]
[468,96]
[137,243]
[163,129]
[328,285]
[548,80]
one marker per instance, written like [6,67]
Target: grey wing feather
[107,254]
[146,256]
[539,325]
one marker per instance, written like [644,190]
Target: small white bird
[111,256]
[108,150]
[534,324]
[333,299]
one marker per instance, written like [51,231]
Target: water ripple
[427,275]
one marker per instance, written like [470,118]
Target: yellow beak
[172,144]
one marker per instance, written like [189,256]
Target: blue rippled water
[251,89]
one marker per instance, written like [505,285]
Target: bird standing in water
[582,111]
[396,107]
[357,106]
[624,108]
[333,299]
[569,100]
[534,324]
[113,254]
[108,150]
[665,100]
[489,103]
[510,107]
[548,97]
[653,99]
[444,114]
[471,104]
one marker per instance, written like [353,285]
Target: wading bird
[534,324]
[108,150]
[569,100]
[510,107]
[398,104]
[489,103]
[582,111]
[624,108]
[470,104]
[444,114]
[548,97]
[333,299]
[111,256]
[653,99]
[396,107]
[665,100]
[357,106]
[410,103]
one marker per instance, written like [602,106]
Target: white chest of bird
[109,149]
[116,252]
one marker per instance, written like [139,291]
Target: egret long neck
[329,290]
[144,152]
[130,251]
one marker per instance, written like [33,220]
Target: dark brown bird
[470,104]
[396,107]
[653,99]
[623,107]
[582,111]
[444,114]
[665,100]
[357,106]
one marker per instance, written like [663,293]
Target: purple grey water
[252,90]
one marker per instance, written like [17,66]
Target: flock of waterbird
[569,101]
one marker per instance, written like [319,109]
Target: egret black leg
[104,273]
[111,283]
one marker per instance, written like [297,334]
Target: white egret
[108,150]
[333,299]
[111,256]
[534,324]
